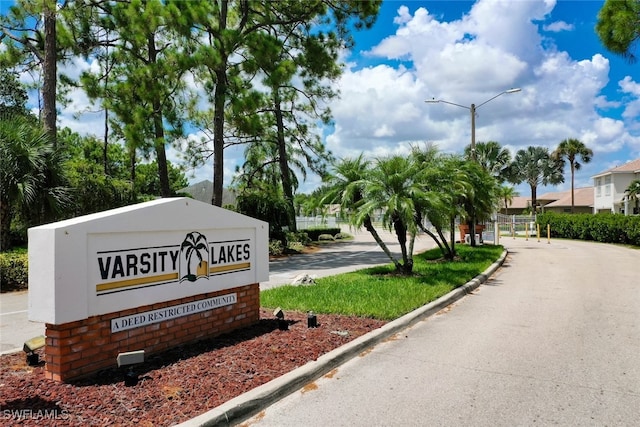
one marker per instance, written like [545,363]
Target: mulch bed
[176,385]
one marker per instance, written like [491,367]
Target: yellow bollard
[548,234]
[538,232]
[526,231]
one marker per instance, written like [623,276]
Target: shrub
[297,237]
[295,246]
[14,271]
[600,228]
[275,247]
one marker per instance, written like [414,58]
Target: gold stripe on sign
[232,267]
[135,282]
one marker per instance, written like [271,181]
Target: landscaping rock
[304,279]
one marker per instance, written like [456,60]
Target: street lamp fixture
[473,109]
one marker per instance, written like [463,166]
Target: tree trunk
[218,136]
[49,77]
[158,129]
[449,254]
[368,225]
[441,245]
[105,148]
[472,230]
[572,182]
[105,151]
[219,101]
[453,237]
[132,170]
[283,160]
[401,234]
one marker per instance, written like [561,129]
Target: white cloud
[558,26]
[631,112]
[403,15]
[629,86]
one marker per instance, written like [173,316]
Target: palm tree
[535,166]
[30,173]
[442,180]
[391,187]
[572,150]
[506,193]
[479,198]
[344,184]
[387,187]
[633,191]
[492,157]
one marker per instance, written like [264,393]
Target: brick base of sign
[78,349]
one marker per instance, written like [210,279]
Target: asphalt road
[361,252]
[553,338]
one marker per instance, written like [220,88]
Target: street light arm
[501,93]
[435,101]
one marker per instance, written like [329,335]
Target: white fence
[304,223]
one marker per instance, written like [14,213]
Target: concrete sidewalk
[552,338]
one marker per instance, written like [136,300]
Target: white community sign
[140,255]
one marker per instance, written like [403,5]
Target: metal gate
[509,225]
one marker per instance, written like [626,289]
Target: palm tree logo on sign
[194,257]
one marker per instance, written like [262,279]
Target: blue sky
[467,52]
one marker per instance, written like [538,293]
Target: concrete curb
[248,404]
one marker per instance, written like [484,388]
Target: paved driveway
[552,339]
[340,257]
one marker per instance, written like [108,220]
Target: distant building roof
[203,191]
[518,202]
[582,197]
[632,166]
[553,196]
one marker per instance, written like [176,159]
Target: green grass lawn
[379,292]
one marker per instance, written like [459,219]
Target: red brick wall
[77,349]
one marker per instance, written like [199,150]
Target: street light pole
[473,110]
[474,157]
[473,132]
